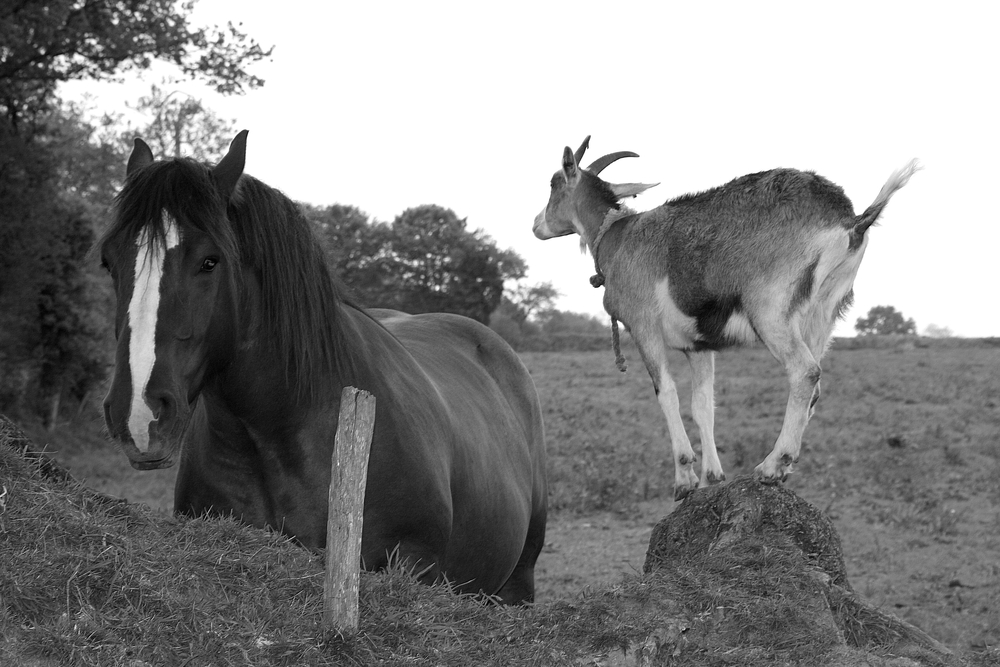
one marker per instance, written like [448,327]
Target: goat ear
[140,157]
[230,168]
[569,164]
[623,190]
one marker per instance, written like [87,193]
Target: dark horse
[234,344]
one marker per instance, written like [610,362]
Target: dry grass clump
[91,580]
[762,595]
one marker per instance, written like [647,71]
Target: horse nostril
[161,405]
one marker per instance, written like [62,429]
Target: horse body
[456,481]
[436,440]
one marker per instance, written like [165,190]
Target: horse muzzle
[160,450]
[150,443]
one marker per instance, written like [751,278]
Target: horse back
[475,374]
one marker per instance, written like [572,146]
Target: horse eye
[209,264]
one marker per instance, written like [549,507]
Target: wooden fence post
[346,503]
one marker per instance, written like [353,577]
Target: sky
[468,105]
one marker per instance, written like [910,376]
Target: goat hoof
[682,492]
[712,478]
[686,480]
[770,481]
[775,477]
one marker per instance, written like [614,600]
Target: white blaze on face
[149,259]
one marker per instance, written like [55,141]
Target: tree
[358,251]
[512,319]
[54,308]
[44,42]
[425,261]
[181,125]
[74,316]
[26,213]
[442,267]
[86,154]
[883,320]
[938,331]
[530,300]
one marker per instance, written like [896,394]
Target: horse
[234,342]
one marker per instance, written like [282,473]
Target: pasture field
[903,453]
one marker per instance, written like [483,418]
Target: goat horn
[598,165]
[582,149]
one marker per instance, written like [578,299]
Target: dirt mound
[780,548]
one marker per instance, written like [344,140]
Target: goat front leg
[803,378]
[685,478]
[703,410]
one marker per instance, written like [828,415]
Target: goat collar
[597,280]
[613,216]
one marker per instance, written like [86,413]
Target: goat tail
[899,178]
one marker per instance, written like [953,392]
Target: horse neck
[259,386]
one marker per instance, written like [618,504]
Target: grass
[608,445]
[90,580]
[902,453]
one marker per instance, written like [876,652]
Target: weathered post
[345,519]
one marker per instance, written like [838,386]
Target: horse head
[172,263]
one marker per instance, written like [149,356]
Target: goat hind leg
[803,373]
[703,410]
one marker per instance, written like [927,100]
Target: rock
[717,521]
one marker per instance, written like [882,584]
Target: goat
[768,257]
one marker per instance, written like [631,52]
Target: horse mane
[299,311]
[182,187]
[297,315]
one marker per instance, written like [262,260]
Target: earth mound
[780,548]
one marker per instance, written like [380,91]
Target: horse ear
[140,157]
[230,168]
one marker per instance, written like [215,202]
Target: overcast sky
[468,105]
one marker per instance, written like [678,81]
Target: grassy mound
[715,526]
[87,579]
